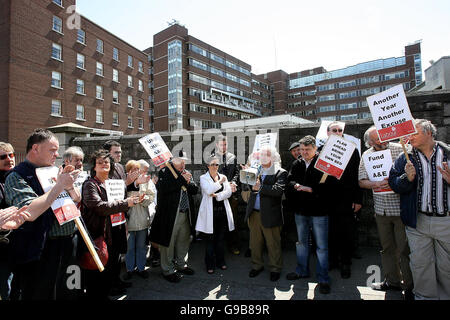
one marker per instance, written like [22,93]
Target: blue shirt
[257,205]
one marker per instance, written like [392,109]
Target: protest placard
[63,207]
[262,140]
[335,155]
[156,148]
[391,114]
[378,164]
[115,190]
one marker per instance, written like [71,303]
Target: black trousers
[341,237]
[45,279]
[215,243]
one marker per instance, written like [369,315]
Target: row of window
[219,85]
[204,124]
[358,93]
[56,111]
[219,112]
[216,71]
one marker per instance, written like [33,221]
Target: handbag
[87,261]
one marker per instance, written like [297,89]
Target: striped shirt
[433,190]
[384,204]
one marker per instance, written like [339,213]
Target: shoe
[274,276]
[408,295]
[248,253]
[143,274]
[173,277]
[345,271]
[384,286]
[187,271]
[253,273]
[295,276]
[116,291]
[128,275]
[324,288]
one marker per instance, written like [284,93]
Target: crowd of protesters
[155,221]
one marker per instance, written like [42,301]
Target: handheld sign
[378,164]
[156,148]
[115,190]
[63,207]
[334,157]
[261,141]
[391,114]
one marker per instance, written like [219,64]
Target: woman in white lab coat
[215,217]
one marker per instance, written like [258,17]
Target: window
[141,86]
[99,116]
[116,54]
[80,86]
[349,117]
[130,81]
[81,36]
[99,92]
[80,61]
[140,104]
[56,79]
[115,119]
[80,112]
[116,75]
[115,97]
[141,124]
[130,61]
[58,2]
[130,122]
[140,67]
[57,52]
[56,108]
[99,46]
[57,24]
[130,101]
[99,69]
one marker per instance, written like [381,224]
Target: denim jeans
[137,251]
[319,226]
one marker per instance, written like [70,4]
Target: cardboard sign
[262,140]
[378,164]
[63,207]
[156,148]
[391,114]
[115,190]
[335,156]
[322,136]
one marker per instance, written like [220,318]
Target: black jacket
[305,203]
[169,191]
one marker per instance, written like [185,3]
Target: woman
[96,210]
[138,222]
[215,217]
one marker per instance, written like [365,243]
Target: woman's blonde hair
[131,164]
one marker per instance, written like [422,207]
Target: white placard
[355,140]
[391,114]
[115,190]
[335,155]
[63,207]
[156,148]
[377,165]
[262,140]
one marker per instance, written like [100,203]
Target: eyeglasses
[337,130]
[214,164]
[9,155]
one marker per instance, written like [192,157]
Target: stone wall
[434,106]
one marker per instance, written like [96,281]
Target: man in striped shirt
[391,230]
[423,183]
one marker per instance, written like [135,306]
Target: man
[173,225]
[310,213]
[38,247]
[391,230]
[294,149]
[264,214]
[230,168]
[423,184]
[344,199]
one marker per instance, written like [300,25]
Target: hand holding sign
[410,171]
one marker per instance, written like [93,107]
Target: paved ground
[234,283]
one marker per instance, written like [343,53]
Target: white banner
[262,140]
[378,164]
[156,148]
[115,190]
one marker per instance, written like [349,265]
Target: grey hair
[275,156]
[143,164]
[426,126]
[335,123]
[308,141]
[366,136]
[73,151]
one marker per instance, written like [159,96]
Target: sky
[288,35]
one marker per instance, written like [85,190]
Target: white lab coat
[205,214]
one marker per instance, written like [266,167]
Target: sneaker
[384,286]
[324,288]
[143,274]
[173,277]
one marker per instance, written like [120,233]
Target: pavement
[235,284]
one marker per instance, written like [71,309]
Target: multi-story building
[341,94]
[57,67]
[199,86]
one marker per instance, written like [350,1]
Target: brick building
[52,73]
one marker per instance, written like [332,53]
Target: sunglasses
[337,130]
[214,164]
[9,155]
